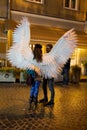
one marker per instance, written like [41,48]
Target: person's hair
[38,52]
[49,45]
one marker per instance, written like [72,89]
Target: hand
[38,71]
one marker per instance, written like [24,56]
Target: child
[36,78]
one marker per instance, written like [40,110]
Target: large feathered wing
[54,61]
[20,54]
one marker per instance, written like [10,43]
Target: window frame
[35,1]
[70,5]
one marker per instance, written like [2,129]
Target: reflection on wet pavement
[68,113]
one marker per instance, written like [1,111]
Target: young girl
[36,82]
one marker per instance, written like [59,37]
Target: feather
[21,55]
[60,53]
[22,32]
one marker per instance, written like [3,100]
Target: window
[36,1]
[71,4]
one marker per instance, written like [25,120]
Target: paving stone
[68,113]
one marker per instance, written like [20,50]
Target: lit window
[71,4]
[36,1]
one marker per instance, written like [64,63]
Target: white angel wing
[54,61]
[20,54]
[22,32]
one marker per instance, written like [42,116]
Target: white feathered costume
[21,56]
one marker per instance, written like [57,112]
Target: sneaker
[43,100]
[50,103]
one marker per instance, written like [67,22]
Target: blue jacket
[32,72]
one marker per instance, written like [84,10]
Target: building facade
[49,19]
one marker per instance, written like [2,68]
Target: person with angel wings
[21,55]
[50,83]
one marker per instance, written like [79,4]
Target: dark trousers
[66,76]
[51,88]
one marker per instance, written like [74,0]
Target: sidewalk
[68,113]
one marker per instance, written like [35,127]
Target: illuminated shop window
[36,1]
[71,4]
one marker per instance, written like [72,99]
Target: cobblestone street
[68,113]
